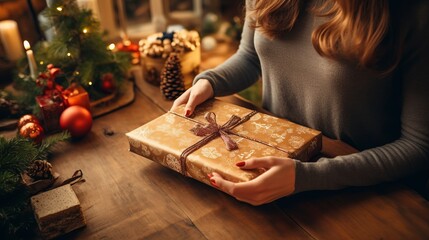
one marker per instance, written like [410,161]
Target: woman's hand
[277,181]
[200,92]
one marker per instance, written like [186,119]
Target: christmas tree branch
[48,143]
[16,154]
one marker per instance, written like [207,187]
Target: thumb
[201,91]
[182,99]
[262,162]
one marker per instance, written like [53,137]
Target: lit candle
[11,39]
[31,60]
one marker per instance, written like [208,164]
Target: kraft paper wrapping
[164,139]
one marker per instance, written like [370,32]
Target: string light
[68,54]
[59,9]
[41,62]
[89,83]
[111,47]
[85,30]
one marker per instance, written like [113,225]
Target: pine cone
[172,85]
[40,169]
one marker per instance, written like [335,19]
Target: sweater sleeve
[238,72]
[407,155]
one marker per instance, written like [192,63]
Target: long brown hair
[354,29]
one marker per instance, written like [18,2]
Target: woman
[357,70]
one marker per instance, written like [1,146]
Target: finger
[219,182]
[181,100]
[262,162]
[237,190]
[192,103]
[249,192]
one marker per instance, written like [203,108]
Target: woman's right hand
[198,93]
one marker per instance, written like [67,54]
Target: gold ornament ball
[32,131]
[27,118]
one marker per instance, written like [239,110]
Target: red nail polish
[213,182]
[188,113]
[240,164]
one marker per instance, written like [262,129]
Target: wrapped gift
[76,95]
[219,135]
[57,211]
[51,107]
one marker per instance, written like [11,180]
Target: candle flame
[127,43]
[26,45]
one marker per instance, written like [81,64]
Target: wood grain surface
[128,196]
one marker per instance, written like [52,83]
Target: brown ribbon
[213,128]
[211,131]
[77,177]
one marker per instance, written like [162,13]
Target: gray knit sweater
[387,118]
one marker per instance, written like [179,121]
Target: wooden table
[126,196]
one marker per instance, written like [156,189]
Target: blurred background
[217,21]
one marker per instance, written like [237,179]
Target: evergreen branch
[16,217]
[8,182]
[48,143]
[27,91]
[16,154]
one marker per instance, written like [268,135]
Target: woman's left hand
[277,181]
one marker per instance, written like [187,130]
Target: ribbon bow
[211,131]
[212,128]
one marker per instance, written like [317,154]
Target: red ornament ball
[77,120]
[27,118]
[32,131]
[108,83]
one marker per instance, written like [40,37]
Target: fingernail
[240,164]
[213,182]
[188,113]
